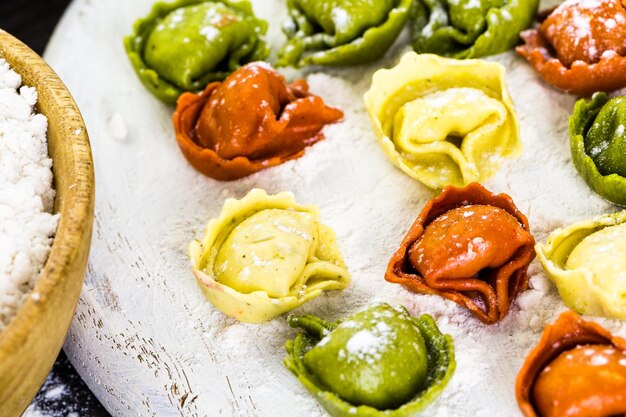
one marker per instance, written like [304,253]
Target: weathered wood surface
[145,339]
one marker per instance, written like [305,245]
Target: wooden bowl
[32,341]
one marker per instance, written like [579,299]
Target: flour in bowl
[27,226]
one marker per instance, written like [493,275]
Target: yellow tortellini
[265,255]
[586,262]
[444,121]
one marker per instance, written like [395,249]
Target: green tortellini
[444,121]
[586,262]
[598,143]
[378,362]
[470,28]
[184,45]
[265,255]
[341,32]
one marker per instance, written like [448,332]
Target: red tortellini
[581,46]
[251,121]
[577,369]
[470,246]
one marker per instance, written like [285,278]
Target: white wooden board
[144,338]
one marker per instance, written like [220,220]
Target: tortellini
[578,368]
[252,121]
[470,246]
[444,121]
[265,255]
[586,262]
[378,362]
[598,143]
[183,45]
[470,28]
[341,32]
[580,47]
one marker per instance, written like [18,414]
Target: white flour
[144,337]
[26,194]
[63,394]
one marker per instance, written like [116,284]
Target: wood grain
[30,344]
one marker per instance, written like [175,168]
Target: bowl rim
[76,211]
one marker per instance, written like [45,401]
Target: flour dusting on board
[147,341]
[63,394]
[26,194]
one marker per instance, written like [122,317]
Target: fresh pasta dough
[377,362]
[265,255]
[341,32]
[580,47]
[252,121]
[267,251]
[586,262]
[597,131]
[470,246]
[470,28]
[183,45]
[578,368]
[444,121]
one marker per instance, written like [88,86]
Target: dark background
[32,21]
